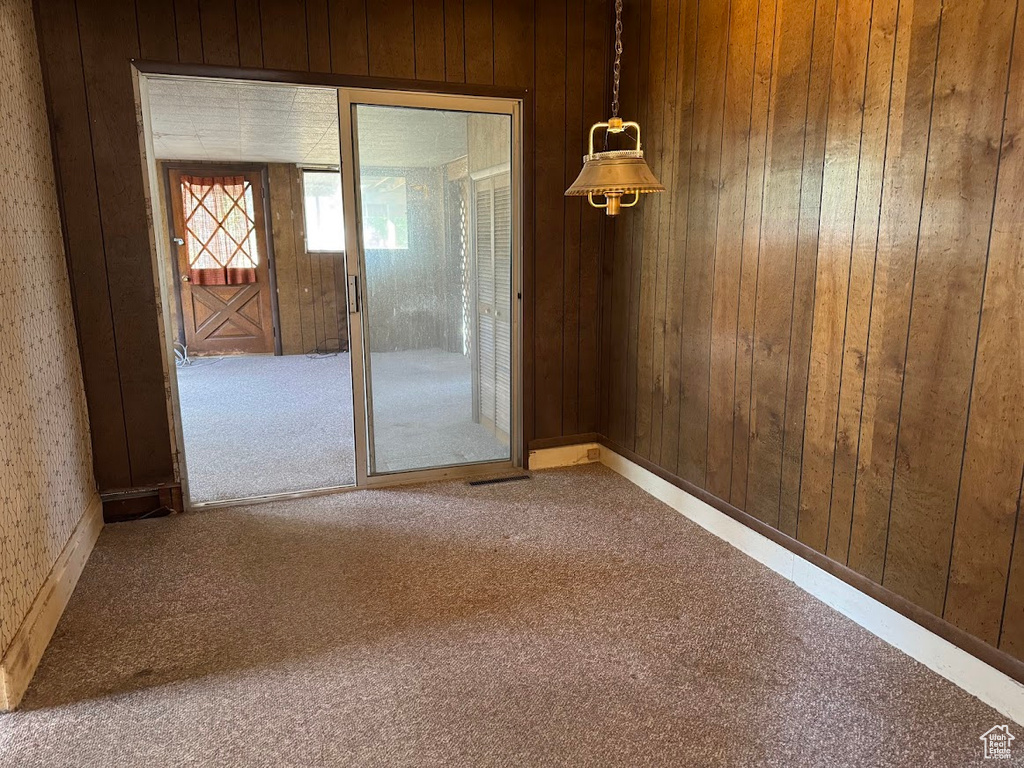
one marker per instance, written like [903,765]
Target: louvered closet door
[493,246]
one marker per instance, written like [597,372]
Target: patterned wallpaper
[46,480]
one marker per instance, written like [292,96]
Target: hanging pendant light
[617,174]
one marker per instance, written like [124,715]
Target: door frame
[361,372]
[523,419]
[204,166]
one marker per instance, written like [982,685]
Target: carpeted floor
[263,424]
[565,620]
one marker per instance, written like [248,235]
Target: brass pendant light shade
[620,176]
[616,174]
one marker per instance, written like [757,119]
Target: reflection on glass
[436,208]
[325,230]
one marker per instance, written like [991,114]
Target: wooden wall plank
[391,38]
[650,207]
[637,242]
[189,31]
[838,207]
[776,274]
[454,42]
[158,38]
[550,154]
[757,158]
[705,173]
[989,502]
[679,184]
[862,274]
[284,33]
[69,113]
[318,26]
[513,44]
[349,54]
[250,36]
[282,232]
[1011,634]
[428,28]
[572,215]
[219,26]
[479,41]
[739,80]
[597,17]
[956,220]
[909,119]
[109,38]
[667,155]
[819,89]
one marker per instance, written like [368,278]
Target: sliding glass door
[433,189]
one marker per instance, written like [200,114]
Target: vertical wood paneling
[987,510]
[479,41]
[572,214]
[650,208]
[595,107]
[729,243]
[549,281]
[956,223]
[678,226]
[284,33]
[348,37]
[318,25]
[907,144]
[454,42]
[858,162]
[250,36]
[158,40]
[189,31]
[108,36]
[219,27]
[811,183]
[429,26]
[757,157]
[776,273]
[838,206]
[861,279]
[76,179]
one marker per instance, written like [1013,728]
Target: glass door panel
[434,192]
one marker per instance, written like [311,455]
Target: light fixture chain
[617,66]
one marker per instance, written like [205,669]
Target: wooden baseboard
[564,456]
[26,649]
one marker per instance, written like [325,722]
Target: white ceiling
[231,121]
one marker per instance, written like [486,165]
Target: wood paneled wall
[86,48]
[311,309]
[821,322]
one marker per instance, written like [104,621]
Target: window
[325,230]
[385,221]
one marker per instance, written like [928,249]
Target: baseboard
[966,670]
[26,649]
[564,456]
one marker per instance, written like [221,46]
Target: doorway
[343,283]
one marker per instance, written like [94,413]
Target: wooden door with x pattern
[223,266]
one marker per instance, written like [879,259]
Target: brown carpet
[565,620]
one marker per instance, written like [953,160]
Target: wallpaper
[46,479]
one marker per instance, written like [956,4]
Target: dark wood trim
[295,77]
[966,642]
[559,441]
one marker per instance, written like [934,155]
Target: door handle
[353,294]
[177,241]
[185,279]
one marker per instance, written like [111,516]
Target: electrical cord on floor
[182,359]
[326,349]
